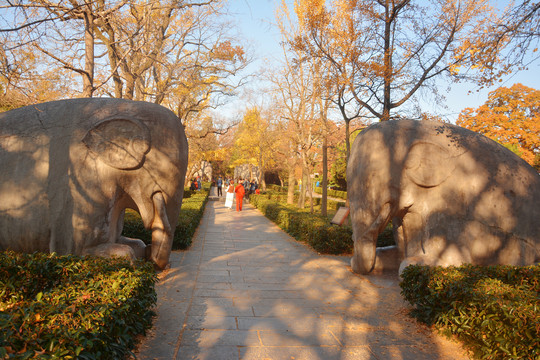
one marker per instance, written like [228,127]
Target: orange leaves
[510,116]
[227,52]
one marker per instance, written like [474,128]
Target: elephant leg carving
[161,233]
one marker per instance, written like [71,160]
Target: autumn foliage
[510,116]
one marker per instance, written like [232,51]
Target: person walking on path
[240,191]
[219,186]
[229,199]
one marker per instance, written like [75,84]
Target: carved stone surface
[71,167]
[454,197]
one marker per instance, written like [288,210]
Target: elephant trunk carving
[162,235]
[364,257]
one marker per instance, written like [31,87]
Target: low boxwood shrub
[190,216]
[332,193]
[493,310]
[69,307]
[331,204]
[312,229]
[276,188]
[191,213]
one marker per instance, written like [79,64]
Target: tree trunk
[290,190]
[387,64]
[262,182]
[130,85]
[302,195]
[348,143]
[114,58]
[88,75]
[324,200]
[301,199]
[310,189]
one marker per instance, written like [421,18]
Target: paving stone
[203,310]
[208,338]
[292,324]
[311,353]
[207,353]
[214,286]
[211,323]
[314,337]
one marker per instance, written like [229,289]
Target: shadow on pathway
[246,290]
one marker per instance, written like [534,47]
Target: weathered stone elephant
[70,168]
[454,196]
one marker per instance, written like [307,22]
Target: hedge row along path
[247,290]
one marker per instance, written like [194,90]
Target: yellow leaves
[454,69]
[308,11]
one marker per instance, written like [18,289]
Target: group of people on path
[196,184]
[243,188]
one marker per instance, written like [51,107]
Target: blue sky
[255,19]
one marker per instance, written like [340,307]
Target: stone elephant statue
[453,196]
[70,168]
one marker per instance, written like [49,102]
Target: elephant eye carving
[120,143]
[428,164]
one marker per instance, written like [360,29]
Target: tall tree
[510,116]
[510,43]
[63,30]
[255,141]
[297,89]
[387,51]
[175,53]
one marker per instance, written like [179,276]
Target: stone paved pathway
[246,290]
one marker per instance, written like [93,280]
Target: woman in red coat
[240,191]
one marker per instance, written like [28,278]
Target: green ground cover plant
[191,213]
[67,307]
[493,310]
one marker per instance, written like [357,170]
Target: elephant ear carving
[120,143]
[428,164]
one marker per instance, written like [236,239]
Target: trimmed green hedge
[69,307]
[333,193]
[279,194]
[304,226]
[313,229]
[494,310]
[191,214]
[276,188]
